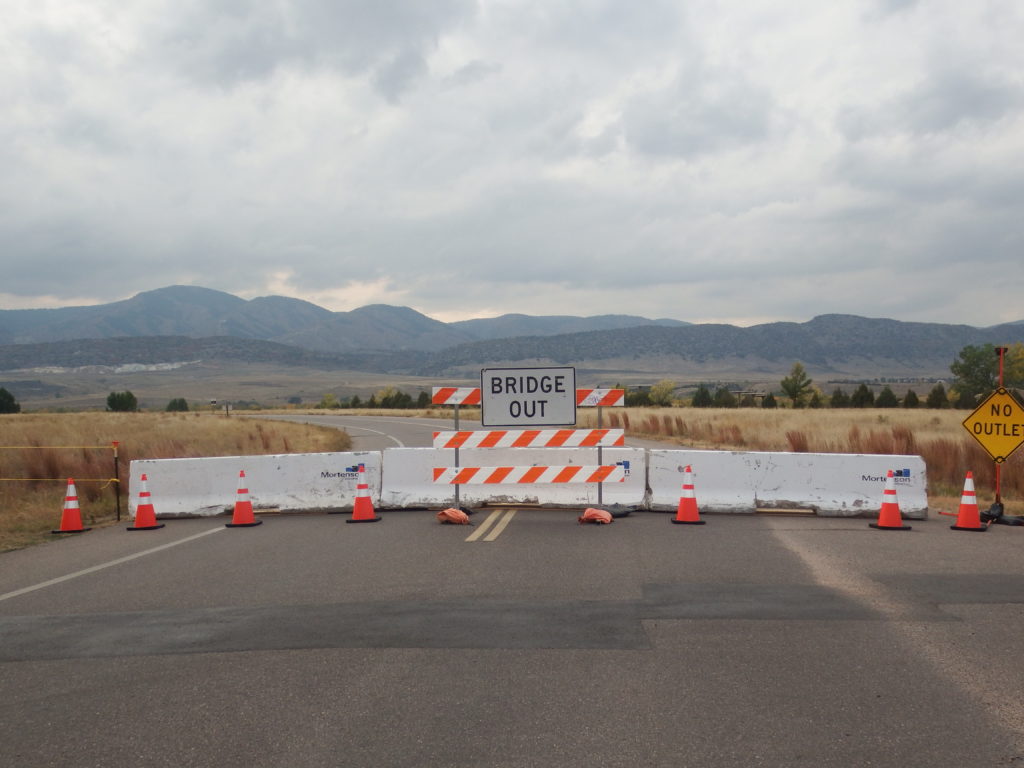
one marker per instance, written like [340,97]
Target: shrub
[7,402]
[122,402]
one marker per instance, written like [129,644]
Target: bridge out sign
[519,397]
[998,424]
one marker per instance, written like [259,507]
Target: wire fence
[50,467]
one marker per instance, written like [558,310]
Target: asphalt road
[525,640]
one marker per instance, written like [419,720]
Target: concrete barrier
[408,477]
[287,482]
[832,484]
[402,478]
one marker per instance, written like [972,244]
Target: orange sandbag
[452,516]
[596,516]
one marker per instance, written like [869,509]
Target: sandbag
[453,516]
[596,516]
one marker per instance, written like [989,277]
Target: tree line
[975,374]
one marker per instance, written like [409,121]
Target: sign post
[998,424]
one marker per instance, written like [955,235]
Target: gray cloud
[740,163]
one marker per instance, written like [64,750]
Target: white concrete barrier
[408,477]
[402,478]
[832,484]
[286,482]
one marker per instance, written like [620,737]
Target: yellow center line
[491,520]
[501,525]
[480,531]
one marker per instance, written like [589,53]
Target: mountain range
[188,323]
[196,312]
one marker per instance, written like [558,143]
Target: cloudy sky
[731,161]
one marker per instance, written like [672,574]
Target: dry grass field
[39,452]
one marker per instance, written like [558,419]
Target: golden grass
[39,452]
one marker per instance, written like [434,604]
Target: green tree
[887,398]
[661,393]
[355,402]
[769,401]
[637,398]
[7,402]
[724,398]
[122,402]
[1013,366]
[329,400]
[911,400]
[702,397]
[862,397]
[839,399]
[423,401]
[797,385]
[815,401]
[391,397]
[976,374]
[178,404]
[964,399]
[937,398]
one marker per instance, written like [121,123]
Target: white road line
[100,567]
[995,694]
[398,442]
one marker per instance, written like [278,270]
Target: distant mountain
[837,343]
[183,323]
[829,344]
[196,312]
[507,326]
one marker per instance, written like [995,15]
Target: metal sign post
[998,425]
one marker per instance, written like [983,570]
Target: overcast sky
[737,161]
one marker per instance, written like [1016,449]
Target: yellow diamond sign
[998,424]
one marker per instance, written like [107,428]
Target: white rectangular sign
[523,397]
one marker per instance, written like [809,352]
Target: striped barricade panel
[594,398]
[532,438]
[573,473]
[456,396]
[585,398]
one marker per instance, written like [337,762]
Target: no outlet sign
[513,397]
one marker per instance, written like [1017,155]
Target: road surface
[525,640]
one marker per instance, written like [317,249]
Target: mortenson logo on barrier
[901,476]
[350,473]
[625,466]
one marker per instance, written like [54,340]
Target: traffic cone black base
[243,525]
[688,522]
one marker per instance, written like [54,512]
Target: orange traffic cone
[362,509]
[889,516]
[969,518]
[71,518]
[688,514]
[243,517]
[145,515]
